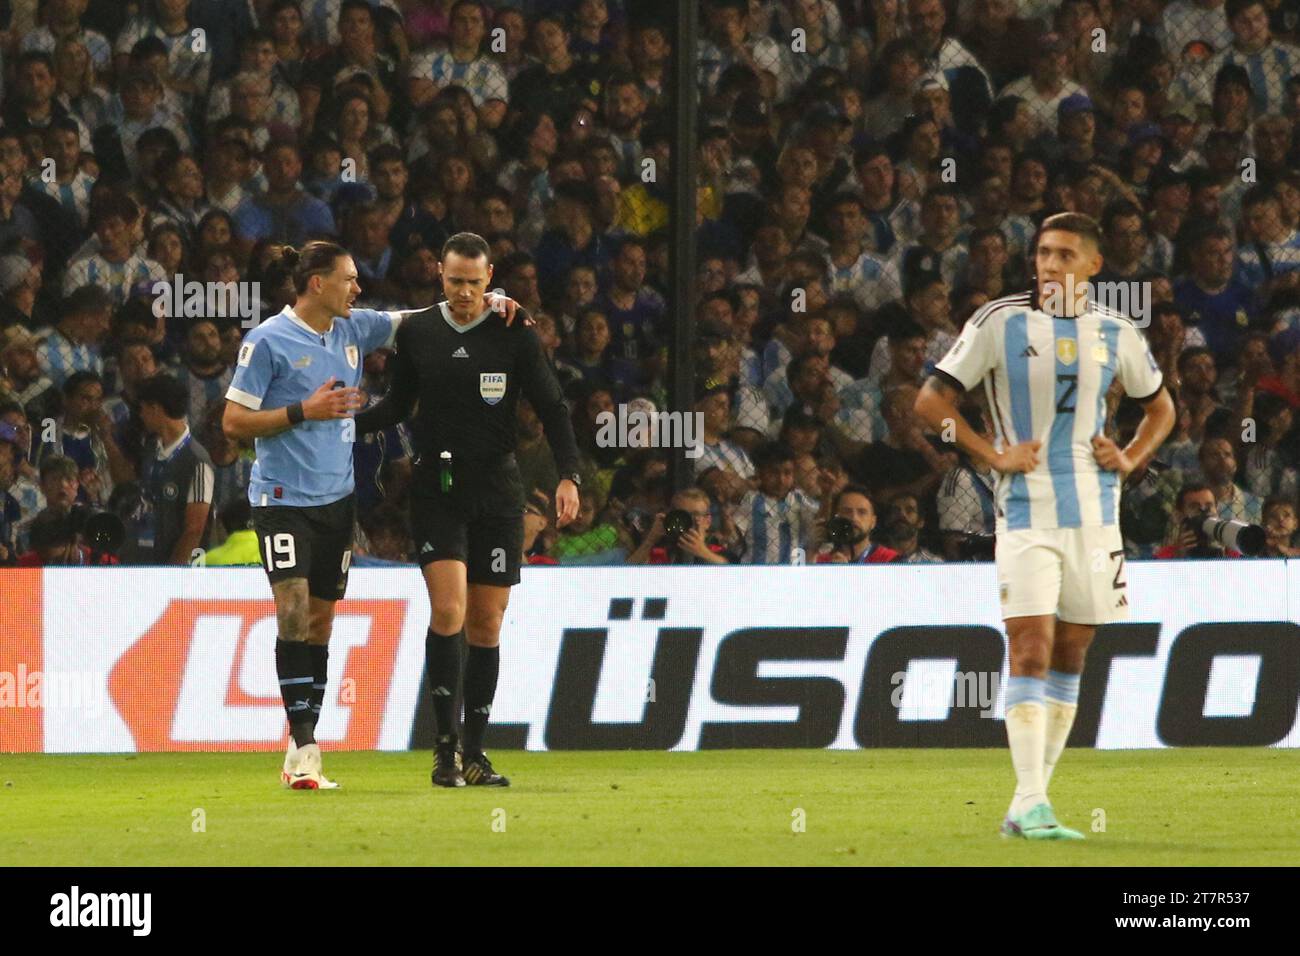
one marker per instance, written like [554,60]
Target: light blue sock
[1063,688]
[1024,690]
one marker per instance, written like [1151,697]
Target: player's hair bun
[289,257]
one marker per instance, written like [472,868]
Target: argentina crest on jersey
[492,386]
[353,355]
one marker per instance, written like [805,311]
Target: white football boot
[306,773]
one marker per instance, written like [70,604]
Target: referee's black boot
[479,772]
[446,765]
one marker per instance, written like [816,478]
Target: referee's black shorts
[480,522]
[313,543]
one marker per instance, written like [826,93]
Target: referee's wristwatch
[573,477]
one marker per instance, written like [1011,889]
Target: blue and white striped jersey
[1283,257]
[1046,379]
[871,281]
[481,76]
[774,527]
[1268,69]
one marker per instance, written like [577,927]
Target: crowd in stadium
[871,173]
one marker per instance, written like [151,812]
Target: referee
[295,381]
[467,497]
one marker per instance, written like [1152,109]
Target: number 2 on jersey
[1065,398]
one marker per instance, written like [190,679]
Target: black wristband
[296,414]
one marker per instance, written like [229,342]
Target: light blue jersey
[284,361]
[1046,378]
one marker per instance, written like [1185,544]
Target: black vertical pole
[681,256]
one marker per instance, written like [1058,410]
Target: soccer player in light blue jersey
[1047,359]
[294,391]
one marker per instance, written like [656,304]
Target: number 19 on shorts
[279,551]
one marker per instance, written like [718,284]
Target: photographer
[681,535]
[848,531]
[54,542]
[1195,504]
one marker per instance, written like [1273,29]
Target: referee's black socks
[320,668]
[442,670]
[293,664]
[481,668]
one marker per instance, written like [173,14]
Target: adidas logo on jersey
[460,353]
[1029,352]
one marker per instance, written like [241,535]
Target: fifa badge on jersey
[246,353]
[1100,353]
[1003,591]
[492,386]
[1067,350]
[353,355]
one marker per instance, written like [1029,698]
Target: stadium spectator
[21,377]
[1218,462]
[54,543]
[1280,528]
[1194,505]
[241,548]
[823,203]
[776,518]
[176,477]
[694,545]
[853,503]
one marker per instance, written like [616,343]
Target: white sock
[1062,695]
[1027,734]
[1060,718]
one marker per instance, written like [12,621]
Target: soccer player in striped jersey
[1047,358]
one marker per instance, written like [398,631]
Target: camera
[102,531]
[840,531]
[677,522]
[976,547]
[1214,533]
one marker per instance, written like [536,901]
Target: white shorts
[1075,573]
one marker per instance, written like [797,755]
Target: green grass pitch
[1195,807]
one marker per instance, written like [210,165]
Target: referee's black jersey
[174,479]
[468,380]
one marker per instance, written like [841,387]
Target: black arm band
[295,413]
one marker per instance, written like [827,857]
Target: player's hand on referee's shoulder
[1018,458]
[329,402]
